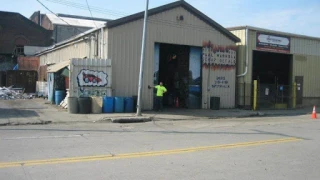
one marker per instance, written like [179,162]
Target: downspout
[102,44]
[91,54]
[247,53]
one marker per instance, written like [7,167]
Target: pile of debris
[13,93]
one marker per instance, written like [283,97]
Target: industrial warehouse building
[190,53]
[197,60]
[286,67]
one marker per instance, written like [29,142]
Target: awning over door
[56,67]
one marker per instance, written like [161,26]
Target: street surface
[243,149]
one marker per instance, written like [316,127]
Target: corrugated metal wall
[308,67]
[125,44]
[305,46]
[241,54]
[90,77]
[218,74]
[306,61]
[244,83]
[76,50]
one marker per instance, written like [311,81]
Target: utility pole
[143,47]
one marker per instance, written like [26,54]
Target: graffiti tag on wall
[221,82]
[89,92]
[218,57]
[90,78]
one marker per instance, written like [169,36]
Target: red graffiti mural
[217,57]
[90,78]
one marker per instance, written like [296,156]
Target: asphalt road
[242,149]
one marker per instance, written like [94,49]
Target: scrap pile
[12,93]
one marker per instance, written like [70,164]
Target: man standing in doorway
[159,98]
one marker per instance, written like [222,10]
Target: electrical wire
[120,14]
[158,21]
[91,14]
[92,8]
[56,15]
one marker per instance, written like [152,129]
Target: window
[19,50]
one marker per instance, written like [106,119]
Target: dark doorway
[174,73]
[271,68]
[273,72]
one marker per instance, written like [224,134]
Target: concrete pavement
[39,111]
[285,148]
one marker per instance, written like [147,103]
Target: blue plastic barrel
[59,96]
[107,104]
[128,105]
[118,104]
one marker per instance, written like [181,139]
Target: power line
[92,8]
[91,13]
[156,21]
[59,16]
[120,14]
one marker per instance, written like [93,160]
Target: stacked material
[13,93]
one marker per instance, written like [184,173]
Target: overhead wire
[92,8]
[91,14]
[57,15]
[121,14]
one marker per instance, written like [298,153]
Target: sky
[293,16]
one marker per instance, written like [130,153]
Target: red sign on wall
[271,42]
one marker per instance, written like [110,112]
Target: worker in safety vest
[159,98]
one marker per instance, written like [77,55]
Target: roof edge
[82,17]
[28,21]
[272,31]
[173,5]
[79,36]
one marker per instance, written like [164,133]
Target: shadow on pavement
[254,132]
[17,113]
[236,113]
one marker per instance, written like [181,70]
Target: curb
[130,119]
[27,123]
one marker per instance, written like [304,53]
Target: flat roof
[273,32]
[74,21]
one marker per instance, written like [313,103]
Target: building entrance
[179,67]
[273,71]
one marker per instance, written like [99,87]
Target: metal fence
[244,96]
[275,96]
[269,96]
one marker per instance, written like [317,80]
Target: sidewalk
[38,111]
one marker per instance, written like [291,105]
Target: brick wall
[18,30]
[28,63]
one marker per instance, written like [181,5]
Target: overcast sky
[294,16]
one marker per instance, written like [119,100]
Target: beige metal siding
[105,43]
[241,56]
[125,45]
[76,50]
[101,68]
[306,61]
[308,67]
[245,81]
[305,46]
[241,53]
